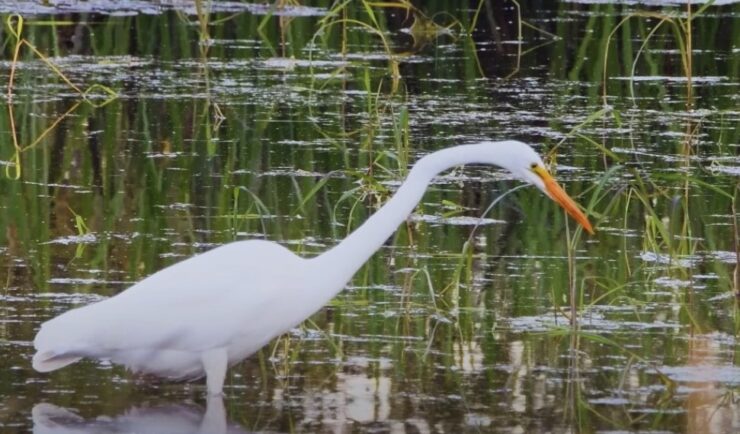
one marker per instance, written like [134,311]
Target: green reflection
[271,132]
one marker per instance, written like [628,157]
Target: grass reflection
[232,126]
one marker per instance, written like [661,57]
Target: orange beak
[559,195]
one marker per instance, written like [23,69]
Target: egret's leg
[214,420]
[215,363]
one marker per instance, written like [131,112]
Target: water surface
[268,133]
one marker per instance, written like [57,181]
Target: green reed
[14,26]
[147,151]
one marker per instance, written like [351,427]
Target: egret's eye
[533,166]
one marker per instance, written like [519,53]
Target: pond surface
[245,123]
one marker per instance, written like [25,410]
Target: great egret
[208,312]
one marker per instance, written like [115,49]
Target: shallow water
[272,136]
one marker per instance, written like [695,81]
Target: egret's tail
[53,348]
[47,361]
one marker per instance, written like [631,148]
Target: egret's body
[206,313]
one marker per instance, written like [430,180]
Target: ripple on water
[654,3]
[589,321]
[454,221]
[70,298]
[147,7]
[704,373]
[88,238]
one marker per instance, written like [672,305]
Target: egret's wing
[203,302]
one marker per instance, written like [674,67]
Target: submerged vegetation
[131,141]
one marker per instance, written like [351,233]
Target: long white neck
[349,255]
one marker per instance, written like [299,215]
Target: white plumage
[164,323]
[208,312]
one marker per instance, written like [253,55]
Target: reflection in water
[708,407]
[48,419]
[357,398]
[450,342]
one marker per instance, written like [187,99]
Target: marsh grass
[579,408]
[682,31]
[667,220]
[14,26]
[435,297]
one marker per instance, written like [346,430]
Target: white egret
[206,313]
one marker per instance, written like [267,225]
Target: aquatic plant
[14,26]
[315,130]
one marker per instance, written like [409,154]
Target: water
[274,135]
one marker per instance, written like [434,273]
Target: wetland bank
[135,134]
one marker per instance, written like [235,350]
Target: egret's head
[522,161]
